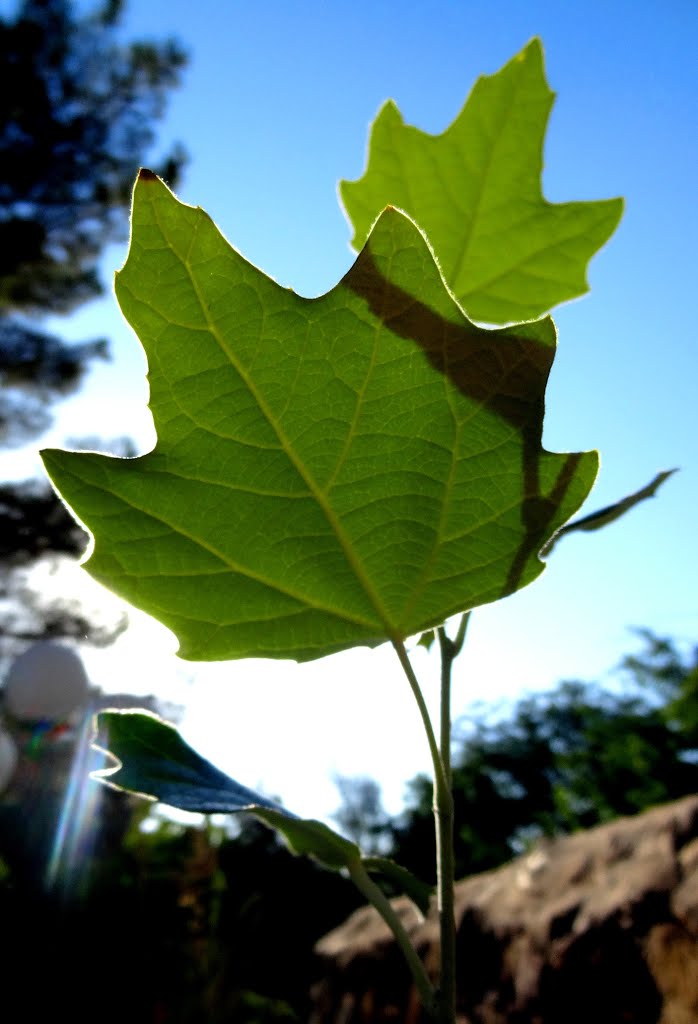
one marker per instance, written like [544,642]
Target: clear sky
[274,109]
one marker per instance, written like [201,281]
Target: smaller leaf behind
[475,190]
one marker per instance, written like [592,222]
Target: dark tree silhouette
[77,114]
[33,522]
[78,108]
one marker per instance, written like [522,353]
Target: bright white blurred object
[47,682]
[8,759]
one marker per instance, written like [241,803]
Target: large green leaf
[506,253]
[328,472]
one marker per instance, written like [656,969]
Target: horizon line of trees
[213,925]
[553,763]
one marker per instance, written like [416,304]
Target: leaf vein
[333,521]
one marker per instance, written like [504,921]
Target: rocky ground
[600,927]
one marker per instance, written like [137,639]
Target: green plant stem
[439,777]
[449,650]
[443,817]
[380,901]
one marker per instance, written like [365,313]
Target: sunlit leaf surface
[475,190]
[328,472]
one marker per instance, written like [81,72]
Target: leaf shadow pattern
[506,369]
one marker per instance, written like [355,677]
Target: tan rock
[600,927]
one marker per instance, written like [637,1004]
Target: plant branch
[449,649]
[443,817]
[368,888]
[443,812]
[439,776]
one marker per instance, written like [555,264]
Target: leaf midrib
[465,247]
[312,485]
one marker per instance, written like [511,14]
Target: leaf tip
[145,175]
[533,46]
[391,110]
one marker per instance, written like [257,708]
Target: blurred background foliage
[569,759]
[159,921]
[78,112]
[77,115]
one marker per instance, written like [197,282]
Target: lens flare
[75,829]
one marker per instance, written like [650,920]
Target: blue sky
[274,109]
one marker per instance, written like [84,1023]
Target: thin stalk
[443,817]
[445,1007]
[449,649]
[439,777]
[380,901]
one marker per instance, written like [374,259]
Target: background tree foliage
[78,110]
[564,760]
[361,816]
[226,926]
[77,114]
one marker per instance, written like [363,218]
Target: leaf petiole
[368,888]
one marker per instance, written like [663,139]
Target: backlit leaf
[475,190]
[328,472]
